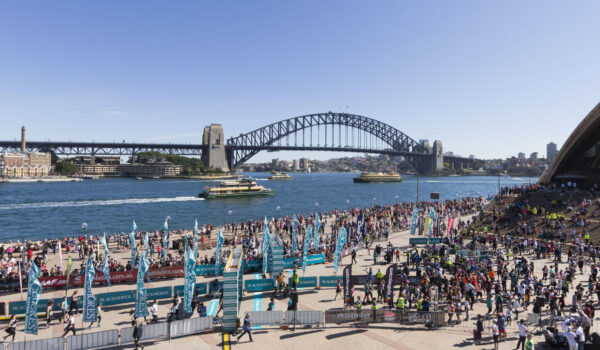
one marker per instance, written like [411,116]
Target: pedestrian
[522,334]
[49,312]
[73,304]
[246,328]
[137,331]
[478,329]
[495,333]
[12,328]
[338,289]
[353,257]
[530,345]
[271,305]
[154,311]
[64,307]
[98,315]
[70,326]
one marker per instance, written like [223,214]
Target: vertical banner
[220,241]
[431,221]
[359,224]
[68,272]
[413,221]
[165,240]
[306,245]
[266,241]
[389,282]
[294,233]
[60,254]
[347,282]
[450,225]
[190,281]
[34,288]
[132,243]
[141,310]
[105,268]
[147,243]
[339,246]
[317,228]
[195,238]
[90,313]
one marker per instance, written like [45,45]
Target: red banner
[450,224]
[115,277]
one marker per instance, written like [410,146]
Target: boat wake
[37,205]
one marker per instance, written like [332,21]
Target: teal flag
[220,241]
[317,228]
[147,243]
[165,240]
[34,288]
[339,246]
[105,268]
[141,294]
[294,233]
[195,239]
[266,242]
[413,220]
[132,243]
[306,245]
[431,221]
[190,281]
[90,313]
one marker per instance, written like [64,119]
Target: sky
[486,78]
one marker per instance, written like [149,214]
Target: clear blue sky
[486,78]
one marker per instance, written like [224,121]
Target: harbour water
[39,210]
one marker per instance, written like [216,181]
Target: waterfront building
[16,165]
[149,170]
[304,163]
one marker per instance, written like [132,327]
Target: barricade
[41,344]
[93,340]
[191,326]
[266,318]
[151,331]
[304,317]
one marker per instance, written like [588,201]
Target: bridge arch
[243,147]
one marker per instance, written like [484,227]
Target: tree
[65,168]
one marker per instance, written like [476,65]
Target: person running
[154,311]
[49,312]
[70,326]
[64,307]
[99,315]
[12,328]
[246,328]
[338,289]
[271,305]
[73,304]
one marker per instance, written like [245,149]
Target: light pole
[83,227]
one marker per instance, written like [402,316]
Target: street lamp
[83,227]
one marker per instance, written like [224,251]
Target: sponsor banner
[347,282]
[305,282]
[382,315]
[159,293]
[343,316]
[259,285]
[424,240]
[118,276]
[329,281]
[200,287]
[208,269]
[20,307]
[389,282]
[114,298]
[310,260]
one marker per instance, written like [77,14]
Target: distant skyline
[488,79]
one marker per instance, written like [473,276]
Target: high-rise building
[551,151]
[295,165]
[304,163]
[533,156]
[521,156]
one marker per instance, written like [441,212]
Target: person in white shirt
[580,336]
[571,339]
[495,333]
[522,334]
[154,311]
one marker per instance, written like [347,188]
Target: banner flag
[306,245]
[90,313]
[359,224]
[185,243]
[190,281]
[389,282]
[165,240]
[317,228]
[220,241]
[431,220]
[141,309]
[341,241]
[68,272]
[147,243]
[195,238]
[132,242]
[60,255]
[294,233]
[347,282]
[34,288]
[450,225]
[266,241]
[105,268]
[413,221]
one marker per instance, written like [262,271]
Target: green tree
[65,168]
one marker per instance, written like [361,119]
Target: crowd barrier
[304,317]
[190,326]
[266,318]
[149,332]
[93,340]
[40,344]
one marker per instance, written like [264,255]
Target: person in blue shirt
[425,304]
[271,306]
[246,327]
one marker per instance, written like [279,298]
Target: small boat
[245,187]
[369,177]
[277,175]
[138,177]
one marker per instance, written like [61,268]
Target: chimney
[23,139]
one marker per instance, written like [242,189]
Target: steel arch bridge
[388,140]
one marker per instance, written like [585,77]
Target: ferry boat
[378,177]
[276,175]
[239,188]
